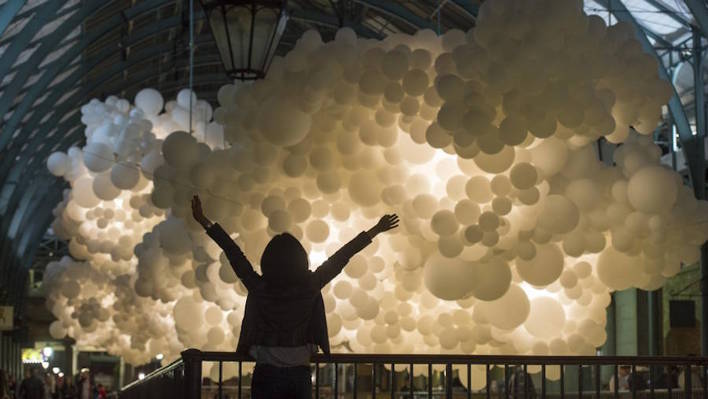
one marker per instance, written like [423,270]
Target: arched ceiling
[55,55]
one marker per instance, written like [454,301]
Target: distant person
[67,390]
[623,377]
[696,378]
[4,385]
[284,318]
[101,390]
[83,387]
[50,386]
[32,387]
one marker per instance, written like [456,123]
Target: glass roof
[668,19]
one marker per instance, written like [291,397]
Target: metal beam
[658,38]
[398,12]
[316,17]
[698,166]
[41,217]
[6,245]
[659,5]
[470,9]
[9,222]
[15,174]
[8,12]
[700,14]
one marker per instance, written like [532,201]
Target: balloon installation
[513,232]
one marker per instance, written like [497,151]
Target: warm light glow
[159,356]
[47,351]
[141,376]
[45,365]
[55,370]
[316,258]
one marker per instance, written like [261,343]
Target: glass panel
[25,55]
[216,22]
[651,17]
[30,4]
[68,115]
[3,48]
[14,28]
[66,96]
[54,55]
[68,4]
[52,26]
[240,32]
[41,99]
[46,116]
[63,75]
[266,24]
[7,79]
[33,79]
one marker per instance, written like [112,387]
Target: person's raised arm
[335,263]
[242,267]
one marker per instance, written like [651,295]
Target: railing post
[192,359]
[448,380]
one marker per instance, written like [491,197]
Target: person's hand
[386,223]
[197,212]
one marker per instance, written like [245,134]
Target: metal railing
[437,376]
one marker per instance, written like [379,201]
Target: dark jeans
[271,382]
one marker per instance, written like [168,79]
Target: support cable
[191,62]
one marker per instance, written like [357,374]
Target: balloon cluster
[105,215]
[513,233]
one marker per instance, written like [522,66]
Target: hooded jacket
[282,313]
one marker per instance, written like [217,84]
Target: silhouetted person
[284,317]
[68,390]
[101,391]
[32,387]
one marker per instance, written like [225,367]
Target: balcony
[439,376]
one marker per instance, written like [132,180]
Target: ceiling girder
[669,13]
[398,12]
[700,14]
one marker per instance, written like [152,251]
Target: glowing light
[141,376]
[47,351]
